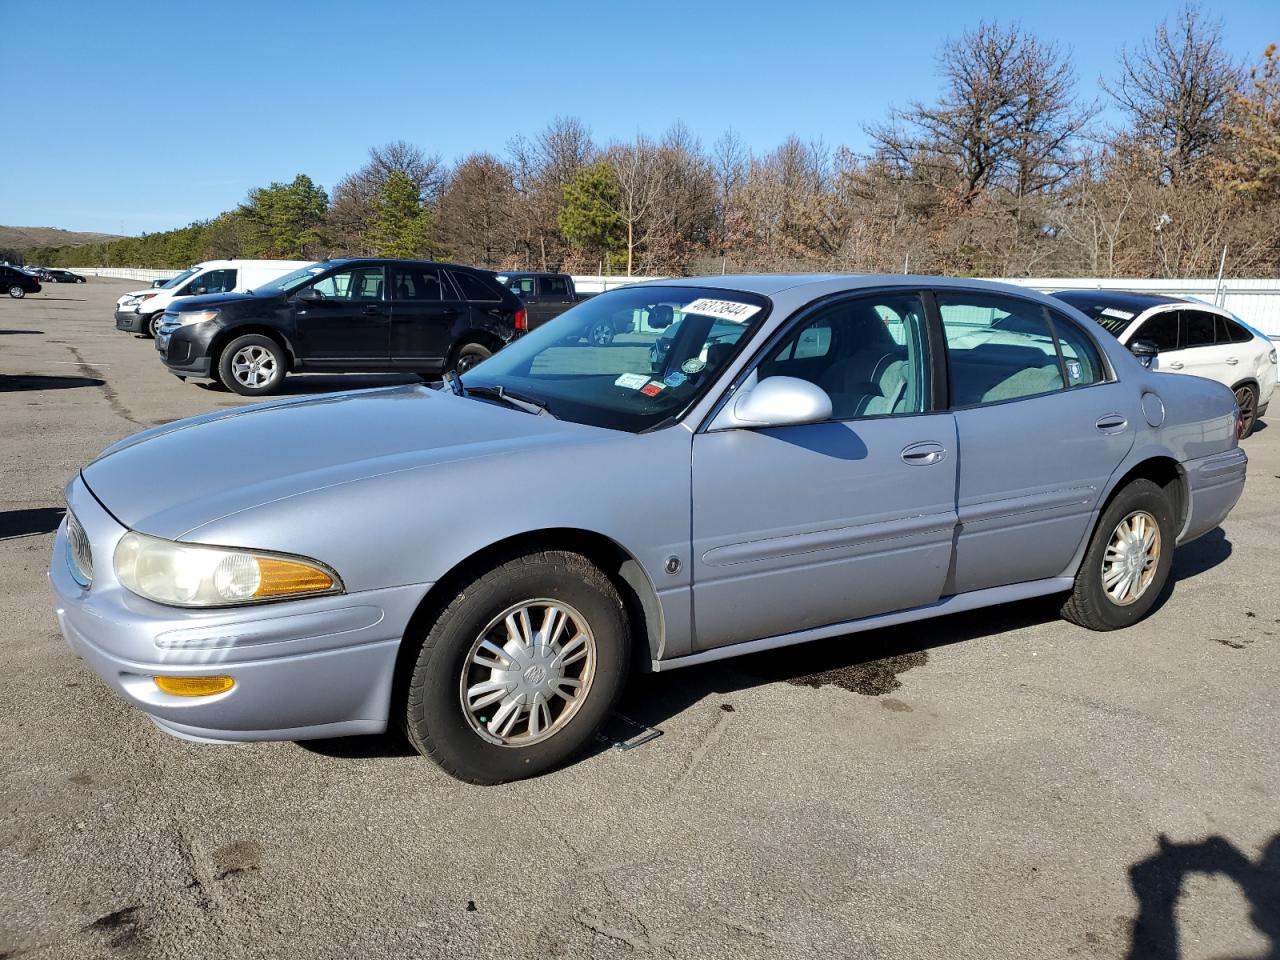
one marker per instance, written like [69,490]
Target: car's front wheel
[151,325]
[252,365]
[17,292]
[517,674]
[1127,562]
[1247,401]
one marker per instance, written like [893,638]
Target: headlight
[186,575]
[1273,354]
[193,316]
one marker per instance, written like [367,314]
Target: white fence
[1256,302]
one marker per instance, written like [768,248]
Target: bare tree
[351,212]
[1175,89]
[1007,118]
[475,214]
[637,169]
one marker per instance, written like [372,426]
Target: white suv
[1191,337]
[139,311]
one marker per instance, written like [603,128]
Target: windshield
[179,279]
[1114,320]
[629,359]
[292,281]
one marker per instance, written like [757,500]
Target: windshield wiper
[527,404]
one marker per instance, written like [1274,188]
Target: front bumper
[184,349]
[131,320]
[321,667]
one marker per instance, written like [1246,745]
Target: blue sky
[147,115]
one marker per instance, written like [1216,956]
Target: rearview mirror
[774,402]
[1146,351]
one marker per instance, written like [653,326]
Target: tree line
[1008,171]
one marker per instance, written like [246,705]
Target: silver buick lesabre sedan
[752,462]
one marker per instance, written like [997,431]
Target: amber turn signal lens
[280,578]
[194,686]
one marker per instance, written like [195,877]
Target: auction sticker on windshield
[722,309]
[631,381]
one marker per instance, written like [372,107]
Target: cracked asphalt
[998,784]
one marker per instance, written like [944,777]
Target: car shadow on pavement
[325,383]
[24,523]
[15,384]
[1158,886]
[4,333]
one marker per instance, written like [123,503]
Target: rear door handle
[923,454]
[372,310]
[1111,423]
[1175,365]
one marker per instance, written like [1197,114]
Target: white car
[1191,337]
[139,311]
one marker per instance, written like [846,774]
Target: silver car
[483,565]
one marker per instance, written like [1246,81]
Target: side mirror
[158,283]
[308,295]
[774,402]
[198,291]
[1146,351]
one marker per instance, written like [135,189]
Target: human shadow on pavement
[36,382]
[1157,883]
[24,523]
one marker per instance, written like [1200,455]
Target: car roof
[1130,301]
[810,285]
[338,261]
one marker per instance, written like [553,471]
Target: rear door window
[1080,358]
[415,283]
[553,287]
[1197,329]
[998,348]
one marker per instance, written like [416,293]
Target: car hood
[207,301]
[172,479]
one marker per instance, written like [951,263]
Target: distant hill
[23,238]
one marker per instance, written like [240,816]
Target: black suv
[19,283]
[350,315]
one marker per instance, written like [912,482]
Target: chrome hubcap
[253,366]
[528,672]
[1132,555]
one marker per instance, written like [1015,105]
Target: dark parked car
[350,315]
[64,276]
[547,295]
[18,282]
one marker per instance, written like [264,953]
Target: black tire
[151,326]
[258,345]
[434,717]
[1247,401]
[17,292]
[468,355]
[1090,604]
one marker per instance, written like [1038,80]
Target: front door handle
[372,310]
[1111,423]
[1233,360]
[1175,364]
[923,454]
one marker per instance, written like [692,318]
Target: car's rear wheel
[1127,562]
[252,365]
[468,355]
[1247,401]
[17,292]
[516,675]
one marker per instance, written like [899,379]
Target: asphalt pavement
[999,784]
